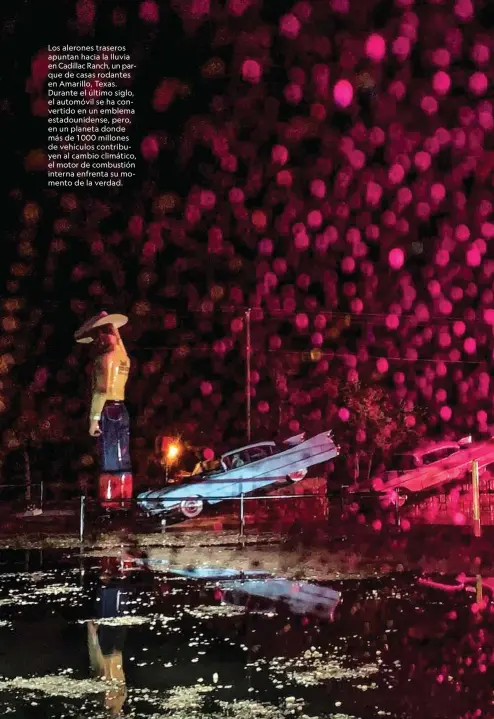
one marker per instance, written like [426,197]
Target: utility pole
[248,381]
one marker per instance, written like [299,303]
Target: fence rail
[241,501]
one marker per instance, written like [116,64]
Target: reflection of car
[303,598]
[239,472]
[431,466]
[257,587]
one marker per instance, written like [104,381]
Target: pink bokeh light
[343,93]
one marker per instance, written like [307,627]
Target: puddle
[218,642]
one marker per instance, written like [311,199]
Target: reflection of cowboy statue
[109,419]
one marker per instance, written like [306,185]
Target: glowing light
[251,71]
[396,258]
[478,83]
[290,26]
[343,93]
[172,452]
[441,82]
[375,47]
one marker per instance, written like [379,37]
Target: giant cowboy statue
[109,419]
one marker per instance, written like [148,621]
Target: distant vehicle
[429,467]
[241,471]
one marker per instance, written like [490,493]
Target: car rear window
[438,454]
[403,462]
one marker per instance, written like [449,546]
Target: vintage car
[239,472]
[429,467]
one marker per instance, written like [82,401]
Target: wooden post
[248,383]
[27,473]
[477,529]
[82,518]
[478,589]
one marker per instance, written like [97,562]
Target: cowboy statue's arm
[103,373]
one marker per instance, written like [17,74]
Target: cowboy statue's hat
[83,334]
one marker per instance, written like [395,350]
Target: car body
[431,466]
[239,472]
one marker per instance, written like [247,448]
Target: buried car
[241,471]
[430,467]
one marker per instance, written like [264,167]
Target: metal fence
[250,515]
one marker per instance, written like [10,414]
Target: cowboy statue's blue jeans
[115,438]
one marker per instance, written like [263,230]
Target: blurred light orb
[343,93]
[445,307]
[150,148]
[375,47]
[478,83]
[207,199]
[284,178]
[422,161]
[392,321]
[480,54]
[442,258]
[470,345]
[382,365]
[263,407]
[208,454]
[266,246]
[445,413]
[396,174]
[348,265]
[397,89]
[318,189]
[441,57]
[149,11]
[290,26]
[459,328]
[301,321]
[441,82]
[429,105]
[474,258]
[489,316]
[315,219]
[236,196]
[293,93]
[251,71]
[464,9]
[259,219]
[462,233]
[401,47]
[396,258]
[437,192]
[487,229]
[344,414]
[279,155]
[302,241]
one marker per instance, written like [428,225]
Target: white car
[431,466]
[239,472]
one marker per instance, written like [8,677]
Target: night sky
[329,164]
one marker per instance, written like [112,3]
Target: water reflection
[300,598]
[106,642]
[209,642]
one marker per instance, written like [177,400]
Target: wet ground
[188,643]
